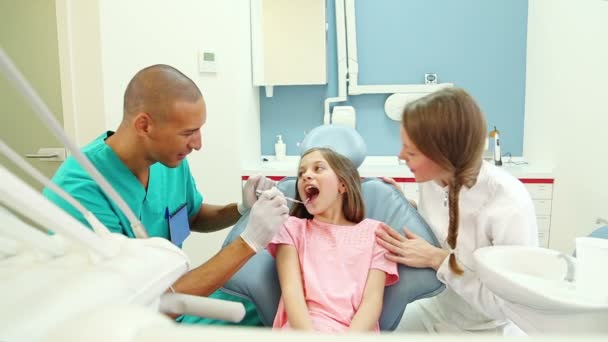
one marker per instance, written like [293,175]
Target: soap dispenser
[279,148]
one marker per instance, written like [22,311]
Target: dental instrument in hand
[259,192]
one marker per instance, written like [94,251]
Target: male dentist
[145,161]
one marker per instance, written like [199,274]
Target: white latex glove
[253,184]
[268,213]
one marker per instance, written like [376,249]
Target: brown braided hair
[449,128]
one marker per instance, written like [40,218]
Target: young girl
[331,269]
[467,203]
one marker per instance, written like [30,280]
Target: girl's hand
[410,250]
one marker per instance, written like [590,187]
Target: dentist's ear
[142,122]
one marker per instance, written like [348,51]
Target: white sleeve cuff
[444,272]
[241,208]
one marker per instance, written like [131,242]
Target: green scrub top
[168,190]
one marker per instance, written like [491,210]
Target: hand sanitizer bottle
[279,148]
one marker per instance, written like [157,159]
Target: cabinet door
[543,239]
[288,42]
[542,207]
[544,223]
[540,191]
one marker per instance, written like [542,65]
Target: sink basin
[539,298]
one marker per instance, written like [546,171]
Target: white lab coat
[497,210]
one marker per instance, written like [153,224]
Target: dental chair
[601,232]
[258,279]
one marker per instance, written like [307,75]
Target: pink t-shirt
[334,261]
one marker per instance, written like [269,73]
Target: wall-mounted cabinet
[288,42]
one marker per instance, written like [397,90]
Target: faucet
[571,263]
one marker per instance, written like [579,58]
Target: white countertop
[376,166]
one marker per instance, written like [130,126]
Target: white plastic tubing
[45,115]
[341,58]
[20,197]
[97,226]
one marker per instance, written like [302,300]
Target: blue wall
[478,45]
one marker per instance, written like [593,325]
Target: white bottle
[279,148]
[497,153]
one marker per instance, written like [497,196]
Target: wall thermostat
[207,61]
[430,78]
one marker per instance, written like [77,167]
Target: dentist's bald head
[155,89]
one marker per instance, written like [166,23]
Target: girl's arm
[288,267]
[369,311]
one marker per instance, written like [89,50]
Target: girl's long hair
[352,203]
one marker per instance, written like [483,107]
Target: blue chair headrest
[342,139]
[601,232]
[257,280]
